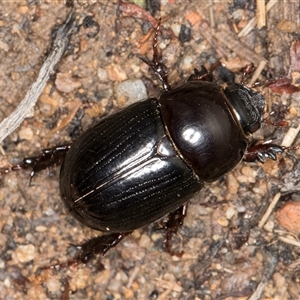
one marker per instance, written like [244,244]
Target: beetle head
[248,105]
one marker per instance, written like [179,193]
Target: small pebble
[287,26]
[131,91]
[279,280]
[66,83]
[36,292]
[23,9]
[232,184]
[128,293]
[135,286]
[295,78]
[216,237]
[3,240]
[2,264]
[102,75]
[155,236]
[25,133]
[248,171]
[103,277]
[261,187]
[53,285]
[116,284]
[7,282]
[25,253]
[230,212]
[289,215]
[115,72]
[269,226]
[185,34]
[176,28]
[245,179]
[259,257]
[222,221]
[40,228]
[145,241]
[187,63]
[30,238]
[293,111]
[49,212]
[81,280]
[169,277]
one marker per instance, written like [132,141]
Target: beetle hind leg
[91,248]
[47,158]
[173,223]
[98,245]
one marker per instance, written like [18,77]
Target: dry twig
[253,21]
[260,13]
[25,108]
[269,210]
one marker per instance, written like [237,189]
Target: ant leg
[88,250]
[262,151]
[175,220]
[156,64]
[47,158]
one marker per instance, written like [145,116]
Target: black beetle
[146,161]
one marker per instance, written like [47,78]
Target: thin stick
[257,72]
[269,210]
[25,108]
[290,136]
[212,17]
[270,263]
[261,13]
[253,21]
[231,42]
[289,241]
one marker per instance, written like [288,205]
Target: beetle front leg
[175,220]
[262,151]
[47,158]
[157,65]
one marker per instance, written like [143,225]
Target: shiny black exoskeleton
[146,161]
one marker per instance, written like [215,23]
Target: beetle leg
[99,245]
[246,72]
[47,158]
[88,250]
[175,220]
[202,75]
[262,151]
[157,65]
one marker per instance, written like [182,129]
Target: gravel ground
[35,231]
